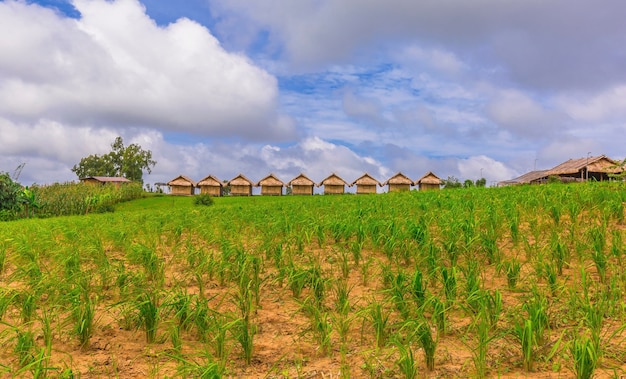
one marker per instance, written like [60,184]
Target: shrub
[203,199]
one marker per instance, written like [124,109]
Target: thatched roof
[240,180]
[333,180]
[210,181]
[595,164]
[429,178]
[399,178]
[107,179]
[366,180]
[301,180]
[182,180]
[527,178]
[270,180]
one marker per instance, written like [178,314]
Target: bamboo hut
[398,183]
[301,185]
[533,177]
[366,184]
[333,185]
[211,186]
[589,168]
[102,180]
[271,186]
[240,186]
[429,181]
[182,185]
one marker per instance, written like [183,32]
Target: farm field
[483,282]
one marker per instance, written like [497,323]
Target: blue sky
[224,87]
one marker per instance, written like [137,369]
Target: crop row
[477,282]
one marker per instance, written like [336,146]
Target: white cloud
[492,170]
[114,66]
[602,107]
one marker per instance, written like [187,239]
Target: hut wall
[182,190]
[429,187]
[271,190]
[91,181]
[302,190]
[365,188]
[333,189]
[211,190]
[241,190]
[399,187]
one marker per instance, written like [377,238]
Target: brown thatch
[240,186]
[301,185]
[533,177]
[429,181]
[398,183]
[102,180]
[271,185]
[333,185]
[211,186]
[366,184]
[182,185]
[596,168]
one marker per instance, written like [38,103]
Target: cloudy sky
[224,87]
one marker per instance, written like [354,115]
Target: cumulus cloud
[492,170]
[114,66]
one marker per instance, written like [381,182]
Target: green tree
[482,182]
[468,183]
[126,161]
[9,197]
[451,182]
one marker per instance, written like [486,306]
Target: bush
[203,199]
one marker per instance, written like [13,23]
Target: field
[482,282]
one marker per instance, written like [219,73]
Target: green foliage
[203,199]
[80,198]
[9,197]
[125,161]
[451,182]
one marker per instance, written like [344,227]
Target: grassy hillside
[523,281]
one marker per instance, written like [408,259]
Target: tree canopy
[125,161]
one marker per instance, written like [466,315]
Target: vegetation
[481,282]
[125,161]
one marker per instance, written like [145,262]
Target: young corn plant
[84,315]
[148,310]
[448,276]
[525,333]
[378,317]
[424,334]
[320,324]
[584,352]
[482,326]
[512,270]
[406,362]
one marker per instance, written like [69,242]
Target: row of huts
[598,168]
[300,185]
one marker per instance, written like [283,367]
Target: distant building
[271,186]
[240,186]
[398,183]
[366,184]
[211,186]
[301,185]
[102,180]
[333,185]
[182,185]
[596,168]
[429,181]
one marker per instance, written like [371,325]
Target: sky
[221,87]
